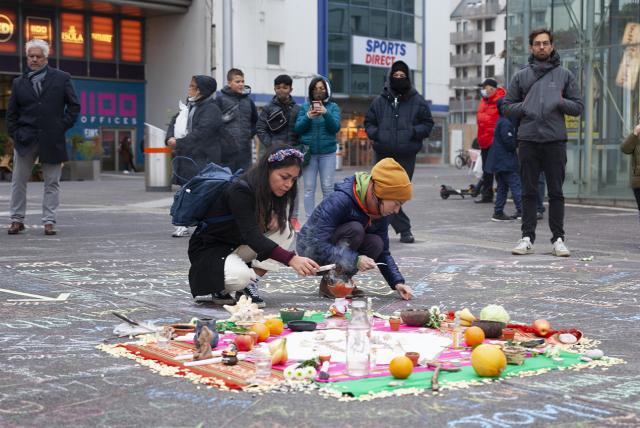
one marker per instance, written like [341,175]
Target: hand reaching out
[303,265]
[404,291]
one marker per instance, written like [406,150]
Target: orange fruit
[488,360]
[474,336]
[401,367]
[275,326]
[262,331]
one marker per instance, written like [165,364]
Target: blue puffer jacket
[502,154]
[314,240]
[319,133]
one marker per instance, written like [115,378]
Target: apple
[541,327]
[244,342]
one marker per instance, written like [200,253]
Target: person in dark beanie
[397,121]
[486,119]
[539,97]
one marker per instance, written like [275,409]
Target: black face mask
[401,85]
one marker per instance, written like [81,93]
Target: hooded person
[317,124]
[350,227]
[239,115]
[200,140]
[398,120]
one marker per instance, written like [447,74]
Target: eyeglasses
[545,43]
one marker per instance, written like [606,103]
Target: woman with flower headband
[229,256]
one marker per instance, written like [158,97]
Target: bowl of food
[182,329]
[291,314]
[492,329]
[414,317]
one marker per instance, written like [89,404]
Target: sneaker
[501,217]
[524,247]
[559,249]
[251,291]
[517,216]
[406,237]
[484,201]
[180,232]
[540,215]
[295,224]
[222,298]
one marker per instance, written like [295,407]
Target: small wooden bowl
[182,329]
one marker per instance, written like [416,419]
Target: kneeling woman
[254,233]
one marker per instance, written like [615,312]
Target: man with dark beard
[539,97]
[397,122]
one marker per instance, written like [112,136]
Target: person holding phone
[317,124]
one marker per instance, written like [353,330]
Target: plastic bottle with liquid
[262,362]
[358,340]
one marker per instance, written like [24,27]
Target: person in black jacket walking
[397,122]
[42,106]
[200,139]
[539,97]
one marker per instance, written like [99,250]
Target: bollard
[157,160]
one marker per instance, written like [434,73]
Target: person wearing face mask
[539,97]
[397,121]
[317,123]
[200,140]
[351,227]
[486,118]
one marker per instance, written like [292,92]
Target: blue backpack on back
[193,200]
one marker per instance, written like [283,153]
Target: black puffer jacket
[203,142]
[538,98]
[397,123]
[239,115]
[285,135]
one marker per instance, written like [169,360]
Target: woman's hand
[637,130]
[404,291]
[273,223]
[366,263]
[303,265]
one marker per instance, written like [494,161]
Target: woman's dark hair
[535,33]
[266,201]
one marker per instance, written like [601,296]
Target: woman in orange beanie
[351,227]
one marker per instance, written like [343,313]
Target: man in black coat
[42,106]
[397,122]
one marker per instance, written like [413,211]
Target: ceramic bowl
[182,329]
[289,315]
[492,329]
[414,317]
[301,325]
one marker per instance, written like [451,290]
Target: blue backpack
[193,200]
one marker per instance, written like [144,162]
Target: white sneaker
[524,247]
[180,232]
[559,249]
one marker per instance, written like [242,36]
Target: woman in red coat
[487,117]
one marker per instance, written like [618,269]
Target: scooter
[446,191]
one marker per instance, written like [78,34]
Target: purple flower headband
[281,155]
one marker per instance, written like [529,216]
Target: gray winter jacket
[539,96]
[239,115]
[285,135]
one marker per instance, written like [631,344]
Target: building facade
[598,41]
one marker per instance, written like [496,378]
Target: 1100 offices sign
[383,53]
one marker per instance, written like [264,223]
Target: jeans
[486,192]
[400,221]
[326,166]
[508,181]
[550,158]
[22,167]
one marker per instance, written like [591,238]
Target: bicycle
[463,159]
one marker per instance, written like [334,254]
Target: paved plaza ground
[114,252]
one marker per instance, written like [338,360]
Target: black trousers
[354,236]
[550,158]
[401,222]
[636,192]
[486,191]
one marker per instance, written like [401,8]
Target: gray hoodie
[538,98]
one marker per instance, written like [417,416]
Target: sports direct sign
[383,53]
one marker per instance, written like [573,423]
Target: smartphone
[317,105]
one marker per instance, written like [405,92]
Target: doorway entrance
[118,145]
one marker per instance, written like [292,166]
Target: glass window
[378,79]
[339,49]
[378,23]
[489,71]
[479,25]
[359,21]
[336,77]
[72,35]
[408,28]
[489,24]
[131,40]
[359,79]
[273,53]
[408,6]
[102,38]
[382,4]
[395,5]
[395,26]
[338,17]
[360,2]
[489,48]
[8,31]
